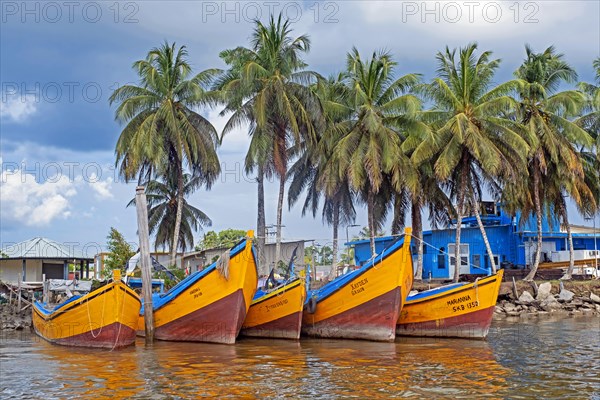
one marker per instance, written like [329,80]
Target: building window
[477,260]
[464,254]
[441,261]
[487,261]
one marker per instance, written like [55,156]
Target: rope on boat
[223,265]
[381,259]
[87,303]
[121,323]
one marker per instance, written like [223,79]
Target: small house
[39,256]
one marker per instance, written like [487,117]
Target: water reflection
[542,358]
[452,367]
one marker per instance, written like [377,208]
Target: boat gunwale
[173,294]
[454,290]
[288,286]
[48,315]
[361,270]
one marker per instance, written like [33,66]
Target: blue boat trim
[336,284]
[75,301]
[435,291]
[160,299]
[261,293]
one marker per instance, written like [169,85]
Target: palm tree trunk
[417,225]
[459,214]
[371,218]
[398,221]
[279,215]
[483,233]
[260,222]
[565,218]
[457,261]
[173,260]
[538,216]
[336,222]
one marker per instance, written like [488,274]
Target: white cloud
[24,200]
[17,108]
[469,20]
[102,188]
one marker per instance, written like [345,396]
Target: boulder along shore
[12,319]
[525,299]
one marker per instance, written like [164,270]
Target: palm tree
[472,142]
[163,197]
[591,120]
[310,171]
[431,194]
[545,113]
[163,133]
[589,157]
[370,150]
[266,87]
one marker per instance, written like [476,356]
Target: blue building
[513,244]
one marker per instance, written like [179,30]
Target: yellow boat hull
[277,314]
[463,311]
[210,308]
[106,317]
[366,306]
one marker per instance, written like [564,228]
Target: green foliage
[119,252]
[3,254]
[362,137]
[282,267]
[163,133]
[169,283]
[365,233]
[323,255]
[162,198]
[266,88]
[347,257]
[225,238]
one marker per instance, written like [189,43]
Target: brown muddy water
[536,358]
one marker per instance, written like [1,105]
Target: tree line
[366,136]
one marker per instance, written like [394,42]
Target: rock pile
[10,319]
[545,302]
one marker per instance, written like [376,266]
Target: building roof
[47,249]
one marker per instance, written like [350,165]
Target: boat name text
[357,287]
[278,304]
[459,300]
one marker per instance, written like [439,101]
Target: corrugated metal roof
[44,248]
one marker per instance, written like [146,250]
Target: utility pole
[142,219]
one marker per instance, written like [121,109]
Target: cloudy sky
[60,61]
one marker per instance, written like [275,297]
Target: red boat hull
[110,336]
[219,322]
[474,325]
[287,327]
[372,320]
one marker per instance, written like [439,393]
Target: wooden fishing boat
[365,303]
[462,310]
[277,313]
[208,305]
[106,317]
